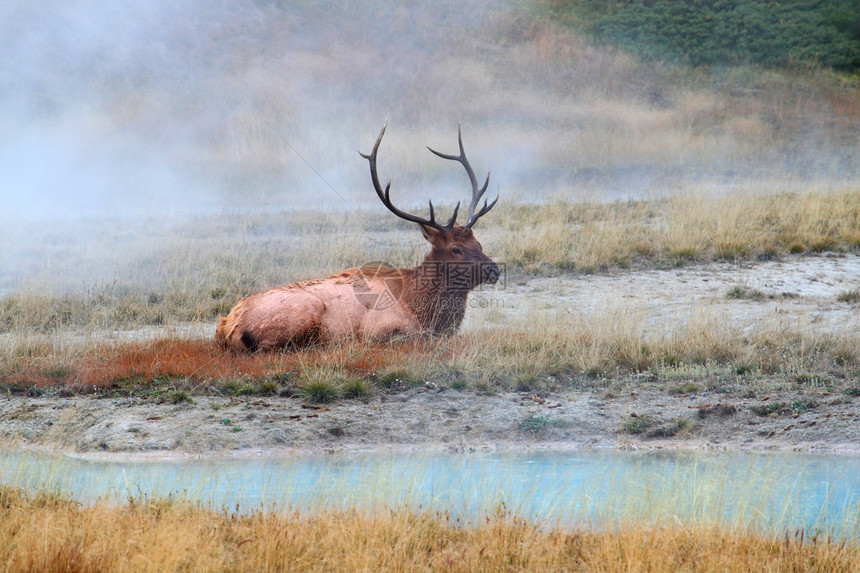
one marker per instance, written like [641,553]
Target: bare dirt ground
[797,291]
[431,418]
[425,419]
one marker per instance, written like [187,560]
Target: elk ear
[433,236]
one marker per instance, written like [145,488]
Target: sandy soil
[797,291]
[432,419]
[424,419]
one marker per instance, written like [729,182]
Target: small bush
[799,406]
[526,382]
[459,384]
[536,424]
[679,426]
[485,388]
[355,388]
[179,397]
[239,387]
[684,388]
[823,244]
[267,388]
[722,410]
[742,292]
[397,379]
[768,409]
[729,251]
[282,378]
[319,392]
[845,354]
[849,296]
[743,368]
[638,424]
[683,255]
[814,380]
[670,357]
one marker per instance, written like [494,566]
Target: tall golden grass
[591,236]
[44,532]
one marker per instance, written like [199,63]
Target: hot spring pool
[773,491]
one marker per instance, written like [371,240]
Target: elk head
[456,263]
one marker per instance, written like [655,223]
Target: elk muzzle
[491,273]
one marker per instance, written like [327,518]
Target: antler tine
[384,196]
[477,194]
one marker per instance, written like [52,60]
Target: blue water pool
[774,491]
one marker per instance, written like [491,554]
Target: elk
[374,302]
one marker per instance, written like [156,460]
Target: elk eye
[456,251]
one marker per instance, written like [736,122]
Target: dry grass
[48,533]
[675,230]
[567,352]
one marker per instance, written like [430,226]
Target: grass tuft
[179,397]
[537,424]
[769,409]
[849,296]
[639,424]
[355,388]
[319,392]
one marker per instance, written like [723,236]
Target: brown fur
[373,302]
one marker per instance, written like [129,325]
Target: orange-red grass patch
[201,360]
[204,361]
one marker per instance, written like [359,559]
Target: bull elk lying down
[374,302]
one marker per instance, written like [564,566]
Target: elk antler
[386,200]
[476,193]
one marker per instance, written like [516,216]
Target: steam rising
[159,111]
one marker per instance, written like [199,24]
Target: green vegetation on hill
[726,32]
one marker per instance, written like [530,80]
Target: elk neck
[438,305]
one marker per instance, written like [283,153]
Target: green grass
[319,392]
[268,387]
[742,292]
[799,406]
[397,379]
[356,388]
[537,424]
[239,387]
[179,397]
[459,384]
[684,388]
[639,424]
[769,409]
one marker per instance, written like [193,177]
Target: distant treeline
[725,32]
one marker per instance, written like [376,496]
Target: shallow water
[771,491]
